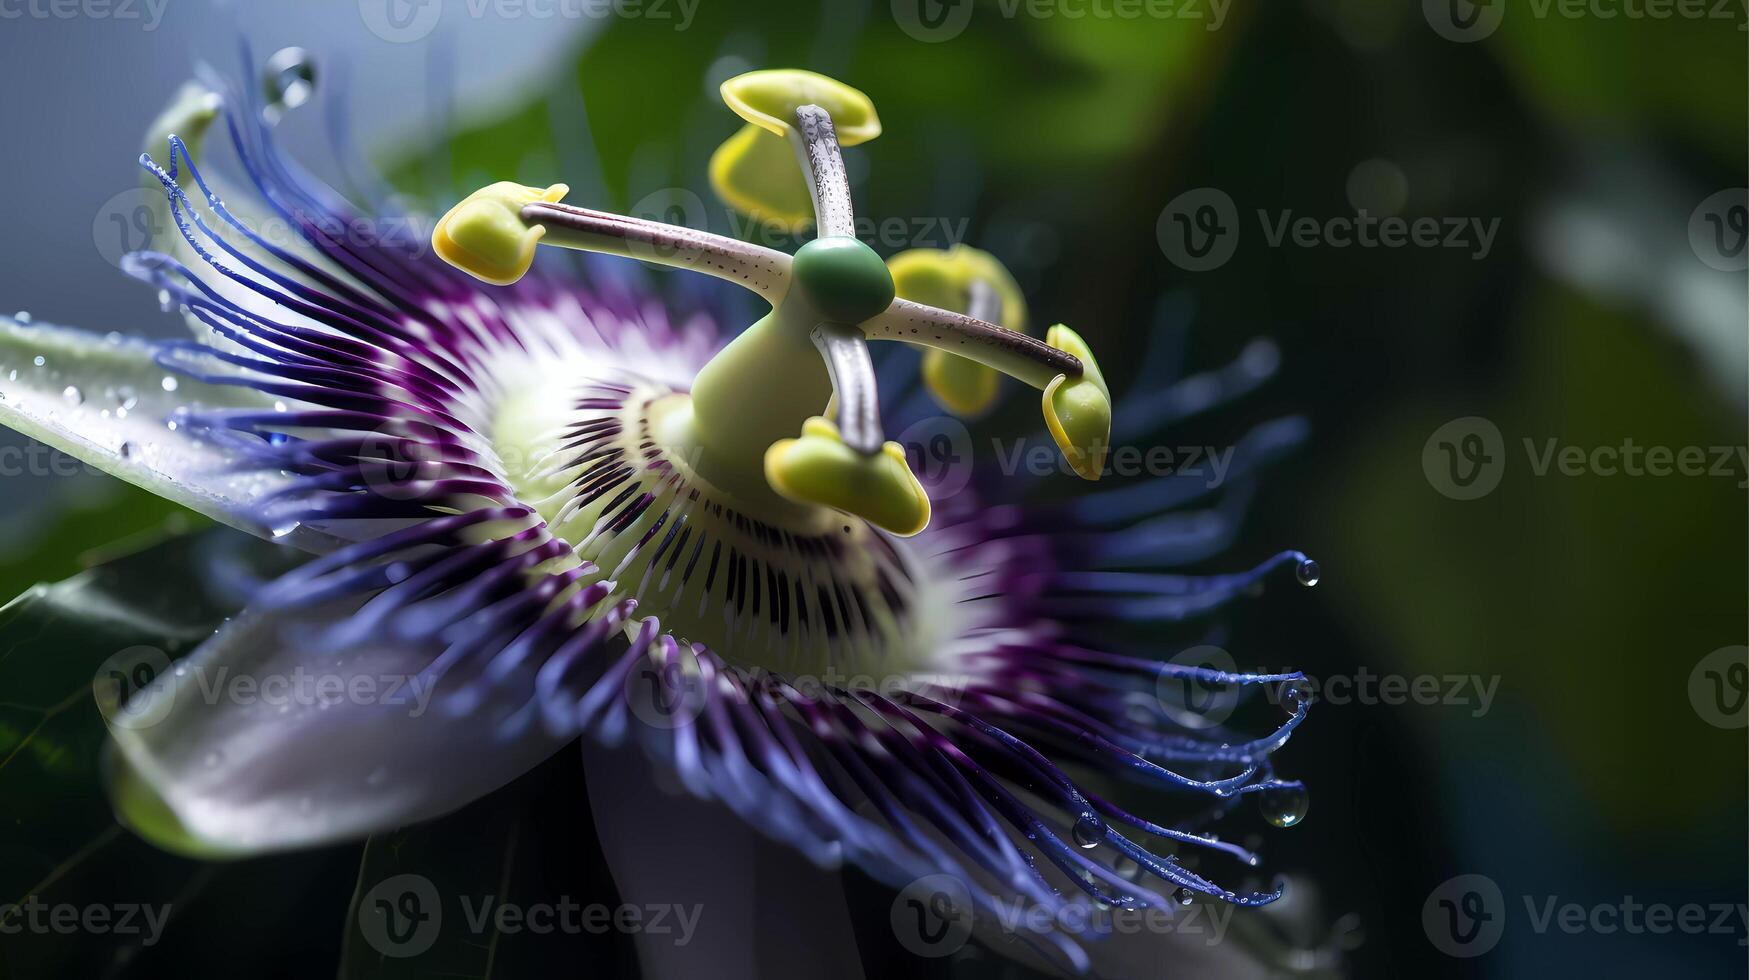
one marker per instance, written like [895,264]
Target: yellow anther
[1078,410]
[819,468]
[944,278]
[769,99]
[485,235]
[756,173]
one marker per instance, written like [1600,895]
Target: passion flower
[563,513]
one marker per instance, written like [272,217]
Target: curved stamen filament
[1020,356]
[763,270]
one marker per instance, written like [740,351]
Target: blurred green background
[1593,318]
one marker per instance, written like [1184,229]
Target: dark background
[1591,599]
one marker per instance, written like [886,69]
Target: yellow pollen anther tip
[819,468]
[1078,410]
[485,235]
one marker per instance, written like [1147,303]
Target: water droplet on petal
[1184,896]
[39,360]
[72,395]
[1307,572]
[22,316]
[1283,806]
[169,383]
[289,79]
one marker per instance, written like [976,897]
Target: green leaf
[63,848]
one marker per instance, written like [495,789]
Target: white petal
[268,739]
[106,402]
[748,896]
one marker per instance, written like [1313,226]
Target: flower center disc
[766,584]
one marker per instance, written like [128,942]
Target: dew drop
[1283,806]
[22,316]
[39,360]
[127,449]
[72,395]
[289,79]
[169,383]
[1184,896]
[1307,572]
[1089,830]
